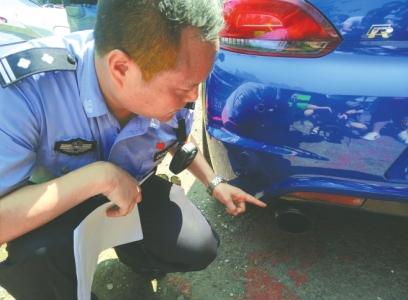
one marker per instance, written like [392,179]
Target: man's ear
[119,64]
[123,69]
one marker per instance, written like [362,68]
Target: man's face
[169,91]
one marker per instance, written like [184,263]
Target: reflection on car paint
[369,29]
[266,118]
[253,106]
[335,124]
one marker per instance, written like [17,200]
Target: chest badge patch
[75,146]
[162,150]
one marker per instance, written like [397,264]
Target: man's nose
[192,95]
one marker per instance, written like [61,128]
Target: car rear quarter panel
[340,120]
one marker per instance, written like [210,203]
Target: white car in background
[31,14]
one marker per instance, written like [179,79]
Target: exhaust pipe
[292,219]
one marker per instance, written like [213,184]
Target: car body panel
[377,27]
[12,34]
[354,19]
[335,124]
[30,14]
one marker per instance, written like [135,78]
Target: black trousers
[177,238]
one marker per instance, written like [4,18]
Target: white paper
[96,233]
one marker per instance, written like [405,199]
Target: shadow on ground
[346,255]
[113,280]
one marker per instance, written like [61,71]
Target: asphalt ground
[345,255]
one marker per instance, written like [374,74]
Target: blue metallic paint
[353,19]
[335,124]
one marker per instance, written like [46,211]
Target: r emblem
[383,30]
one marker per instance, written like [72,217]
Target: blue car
[308,102]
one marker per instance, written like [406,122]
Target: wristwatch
[213,183]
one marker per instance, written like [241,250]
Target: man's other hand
[124,192]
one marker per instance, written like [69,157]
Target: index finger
[251,199]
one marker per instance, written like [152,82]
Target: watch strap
[214,182]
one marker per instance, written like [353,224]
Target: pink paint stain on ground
[182,285]
[299,278]
[301,261]
[262,286]
[259,258]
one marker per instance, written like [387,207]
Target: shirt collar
[89,90]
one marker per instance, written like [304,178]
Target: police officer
[85,118]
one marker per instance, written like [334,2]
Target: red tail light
[277,28]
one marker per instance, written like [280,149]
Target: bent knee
[200,251]
[204,260]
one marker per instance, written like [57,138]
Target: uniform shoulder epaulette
[17,66]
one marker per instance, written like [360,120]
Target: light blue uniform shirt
[60,106]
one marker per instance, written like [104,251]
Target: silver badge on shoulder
[47,58]
[75,146]
[24,63]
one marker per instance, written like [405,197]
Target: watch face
[217,180]
[213,183]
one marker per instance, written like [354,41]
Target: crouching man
[83,119]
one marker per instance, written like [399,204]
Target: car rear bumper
[261,131]
[269,178]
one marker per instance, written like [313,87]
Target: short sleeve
[19,136]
